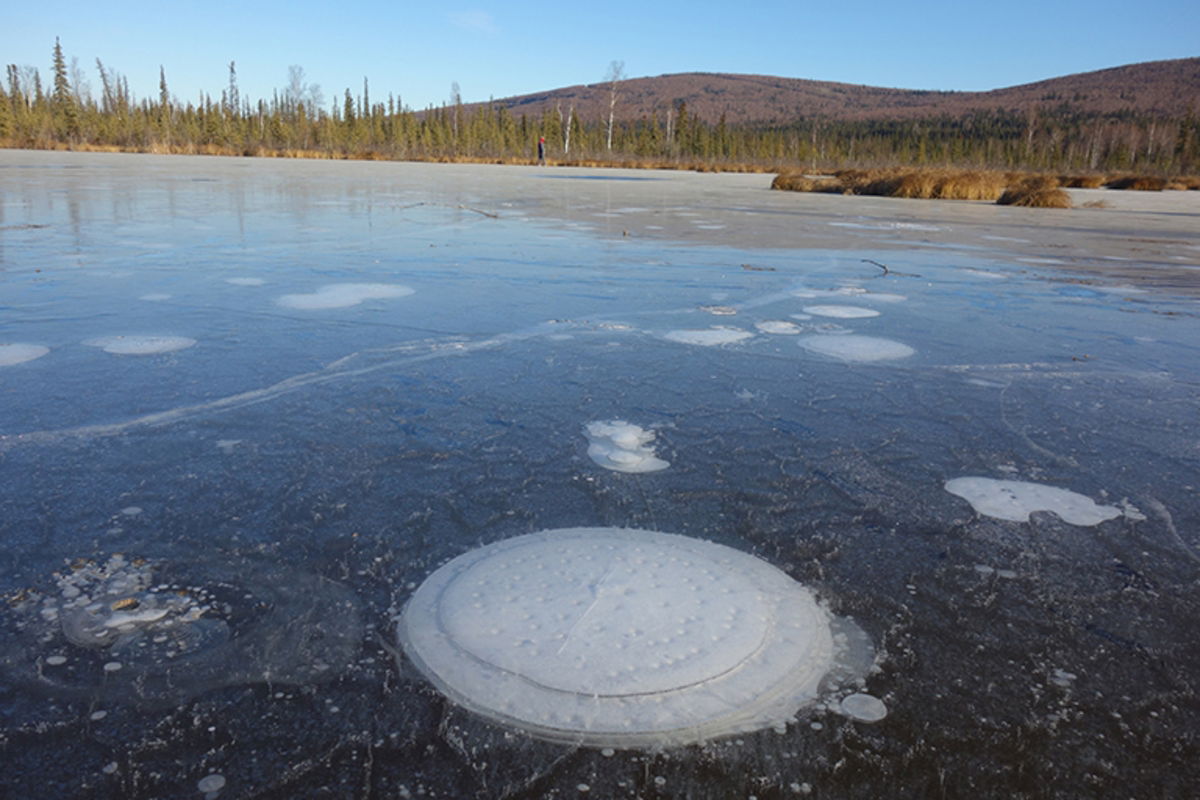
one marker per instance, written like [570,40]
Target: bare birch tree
[616,72]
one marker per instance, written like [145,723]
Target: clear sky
[416,50]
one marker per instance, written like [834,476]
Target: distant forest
[297,122]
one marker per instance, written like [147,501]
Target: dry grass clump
[1041,191]
[1081,181]
[1139,183]
[1184,183]
[799,182]
[925,184]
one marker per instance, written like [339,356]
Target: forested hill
[1155,88]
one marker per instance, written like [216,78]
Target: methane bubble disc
[343,295]
[11,354]
[1015,500]
[708,337]
[612,637]
[856,348]
[140,345]
[622,446]
[841,312]
[156,633]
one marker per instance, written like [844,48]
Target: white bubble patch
[140,345]
[778,327]
[11,354]
[1016,500]
[708,337]
[620,638]
[852,347]
[621,446]
[343,295]
[841,312]
[863,707]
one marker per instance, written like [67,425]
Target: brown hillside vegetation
[1157,87]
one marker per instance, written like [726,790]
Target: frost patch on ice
[856,348]
[343,295]
[155,297]
[245,281]
[983,273]
[863,707]
[621,446]
[11,354]
[140,345]
[708,337]
[886,226]
[1016,500]
[841,312]
[778,327]
[857,292]
[612,637]
[720,311]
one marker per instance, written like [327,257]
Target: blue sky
[416,50]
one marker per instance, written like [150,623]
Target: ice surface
[708,337]
[375,443]
[1016,500]
[156,633]
[343,295]
[619,637]
[621,446]
[11,354]
[841,312]
[245,281]
[136,345]
[852,347]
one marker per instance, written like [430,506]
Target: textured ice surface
[140,345]
[11,354]
[619,637]
[245,281]
[621,446]
[852,347]
[841,312]
[708,337]
[1015,500]
[343,295]
[156,633]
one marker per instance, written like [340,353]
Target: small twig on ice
[477,211]
[876,263]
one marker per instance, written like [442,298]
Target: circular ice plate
[619,637]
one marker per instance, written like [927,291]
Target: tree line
[298,122]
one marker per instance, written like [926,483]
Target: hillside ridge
[1159,88]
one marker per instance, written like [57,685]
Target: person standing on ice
[542,151]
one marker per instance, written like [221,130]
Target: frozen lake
[286,392]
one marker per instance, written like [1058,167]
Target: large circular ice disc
[620,637]
[605,615]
